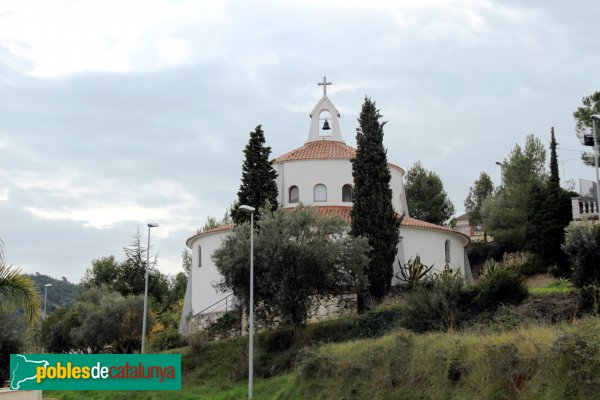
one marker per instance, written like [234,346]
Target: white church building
[319,173]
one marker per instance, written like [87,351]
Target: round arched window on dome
[294,194]
[347,193]
[320,193]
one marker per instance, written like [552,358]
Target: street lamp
[596,118]
[150,226]
[46,286]
[501,172]
[250,210]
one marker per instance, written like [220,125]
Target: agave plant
[414,271]
[18,289]
[490,268]
[448,273]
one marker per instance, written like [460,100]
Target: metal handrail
[217,302]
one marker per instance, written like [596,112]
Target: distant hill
[61,294]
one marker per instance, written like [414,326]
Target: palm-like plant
[490,268]
[18,289]
[414,271]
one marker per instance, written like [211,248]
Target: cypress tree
[554,178]
[373,215]
[548,214]
[258,178]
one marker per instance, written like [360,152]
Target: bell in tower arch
[326,126]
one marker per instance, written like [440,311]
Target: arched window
[294,194]
[199,256]
[320,192]
[347,193]
[447,251]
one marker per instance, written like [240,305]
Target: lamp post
[150,226]
[596,118]
[563,162]
[46,286]
[250,210]
[501,172]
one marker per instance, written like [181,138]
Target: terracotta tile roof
[222,228]
[344,212]
[416,223]
[323,150]
[397,167]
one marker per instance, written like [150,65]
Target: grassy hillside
[535,361]
[528,363]
[543,362]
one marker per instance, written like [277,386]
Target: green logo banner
[95,371]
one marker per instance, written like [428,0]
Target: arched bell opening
[325,122]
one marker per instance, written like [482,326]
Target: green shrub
[479,252]
[167,339]
[576,355]
[436,308]
[490,267]
[582,246]
[223,327]
[12,336]
[198,341]
[588,298]
[532,266]
[312,363]
[505,371]
[502,287]
[377,322]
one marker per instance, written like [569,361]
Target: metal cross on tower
[324,84]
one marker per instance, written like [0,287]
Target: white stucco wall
[204,277]
[334,174]
[429,244]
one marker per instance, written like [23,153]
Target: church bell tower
[325,123]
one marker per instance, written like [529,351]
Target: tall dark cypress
[554,178]
[548,214]
[258,178]
[373,215]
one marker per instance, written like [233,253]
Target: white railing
[584,209]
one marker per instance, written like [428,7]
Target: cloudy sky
[117,113]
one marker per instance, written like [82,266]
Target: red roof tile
[323,150]
[416,223]
[344,212]
[222,228]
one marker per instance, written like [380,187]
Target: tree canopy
[99,318]
[128,276]
[583,122]
[504,215]
[258,185]
[481,190]
[427,200]
[373,215]
[298,254]
[548,214]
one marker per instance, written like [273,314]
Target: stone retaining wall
[324,308]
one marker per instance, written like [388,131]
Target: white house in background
[319,173]
[473,232]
